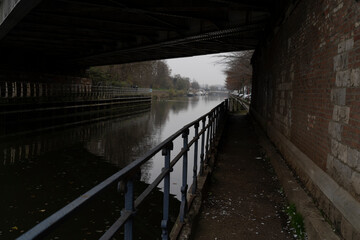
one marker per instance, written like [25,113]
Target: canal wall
[306,88]
[29,105]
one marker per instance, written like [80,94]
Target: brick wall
[307,86]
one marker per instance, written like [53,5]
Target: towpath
[244,199]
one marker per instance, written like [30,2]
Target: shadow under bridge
[75,34]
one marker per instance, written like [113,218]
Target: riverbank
[158,94]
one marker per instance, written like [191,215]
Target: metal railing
[37,89]
[237,103]
[207,133]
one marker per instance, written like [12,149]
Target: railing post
[212,129]
[218,118]
[194,185]
[208,135]
[129,206]
[166,199]
[215,122]
[184,187]
[218,112]
[222,113]
[5,90]
[13,89]
[202,148]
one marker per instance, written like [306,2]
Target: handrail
[25,90]
[242,102]
[210,126]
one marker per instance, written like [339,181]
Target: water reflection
[41,172]
[118,141]
[121,141]
[182,111]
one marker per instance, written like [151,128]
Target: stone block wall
[306,87]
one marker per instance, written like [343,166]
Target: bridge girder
[82,33]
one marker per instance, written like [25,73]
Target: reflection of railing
[211,124]
[33,89]
[237,103]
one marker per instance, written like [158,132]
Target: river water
[43,171]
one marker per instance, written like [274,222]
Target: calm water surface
[40,173]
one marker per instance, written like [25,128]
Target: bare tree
[238,70]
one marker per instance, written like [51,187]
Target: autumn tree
[150,74]
[238,70]
[122,75]
[143,74]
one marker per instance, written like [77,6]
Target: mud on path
[244,199]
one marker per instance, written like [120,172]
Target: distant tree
[195,85]
[98,77]
[181,83]
[150,74]
[238,70]
[162,76]
[143,74]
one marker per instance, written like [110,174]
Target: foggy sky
[203,69]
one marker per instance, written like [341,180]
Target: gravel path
[244,200]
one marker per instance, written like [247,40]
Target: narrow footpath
[244,199]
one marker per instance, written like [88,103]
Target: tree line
[238,70]
[157,74]
[149,74]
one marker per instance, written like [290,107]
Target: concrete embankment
[34,113]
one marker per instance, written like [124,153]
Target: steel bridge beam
[12,11]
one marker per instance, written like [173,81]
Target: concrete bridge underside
[82,33]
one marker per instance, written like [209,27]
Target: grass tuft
[296,222]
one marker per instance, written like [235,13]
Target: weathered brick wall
[307,86]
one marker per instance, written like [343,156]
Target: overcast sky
[203,69]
